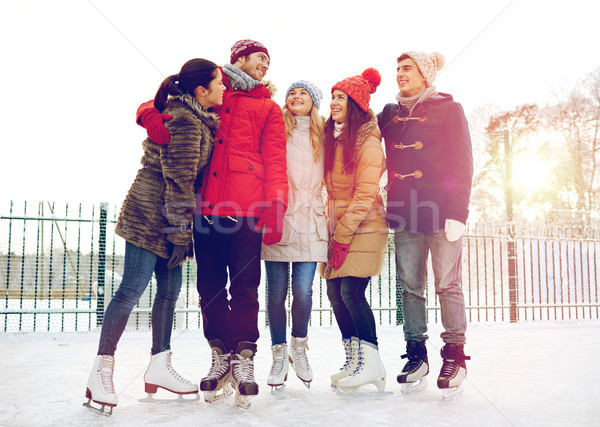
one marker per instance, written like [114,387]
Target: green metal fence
[61,264]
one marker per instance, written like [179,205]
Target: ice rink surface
[525,374]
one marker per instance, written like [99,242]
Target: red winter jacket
[248,166]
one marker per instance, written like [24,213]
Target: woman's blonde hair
[317,128]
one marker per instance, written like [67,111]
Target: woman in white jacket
[304,240]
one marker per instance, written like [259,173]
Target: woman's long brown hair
[355,118]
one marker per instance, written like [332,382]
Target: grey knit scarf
[238,79]
[411,102]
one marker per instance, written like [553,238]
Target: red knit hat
[360,88]
[246,47]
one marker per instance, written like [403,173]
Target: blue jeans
[303,274]
[139,265]
[411,264]
[351,309]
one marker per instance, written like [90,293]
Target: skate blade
[355,393]
[307,383]
[243,401]
[276,388]
[451,393]
[417,386]
[211,396]
[180,399]
[100,410]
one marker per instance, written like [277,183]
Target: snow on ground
[526,374]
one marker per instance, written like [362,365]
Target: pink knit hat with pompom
[360,88]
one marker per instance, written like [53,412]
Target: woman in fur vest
[156,222]
[304,235]
[354,163]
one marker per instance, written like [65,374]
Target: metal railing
[60,265]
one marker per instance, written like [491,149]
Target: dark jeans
[303,274]
[228,246]
[352,311]
[139,265]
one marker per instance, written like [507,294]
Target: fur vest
[159,208]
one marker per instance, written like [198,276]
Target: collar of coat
[237,80]
[209,118]
[369,128]
[420,107]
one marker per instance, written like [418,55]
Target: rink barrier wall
[60,264]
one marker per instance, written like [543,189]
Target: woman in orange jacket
[354,163]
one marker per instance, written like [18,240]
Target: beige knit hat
[429,63]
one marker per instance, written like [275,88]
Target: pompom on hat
[246,47]
[360,88]
[313,90]
[428,63]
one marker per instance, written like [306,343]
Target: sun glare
[530,174]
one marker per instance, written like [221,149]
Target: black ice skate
[454,370]
[413,376]
[217,383]
[242,374]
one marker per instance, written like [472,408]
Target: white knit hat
[428,63]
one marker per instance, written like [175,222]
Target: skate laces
[105,369]
[279,351]
[243,369]
[359,364]
[348,348]
[173,372]
[452,361]
[299,350]
[414,361]
[412,364]
[218,365]
[449,368]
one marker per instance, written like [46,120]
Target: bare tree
[507,138]
[576,117]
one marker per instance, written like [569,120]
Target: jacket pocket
[245,182]
[321,222]
[249,163]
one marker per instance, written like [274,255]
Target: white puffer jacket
[304,226]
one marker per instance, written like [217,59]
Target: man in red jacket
[430,173]
[244,189]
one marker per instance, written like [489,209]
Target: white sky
[74,72]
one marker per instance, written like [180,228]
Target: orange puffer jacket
[355,212]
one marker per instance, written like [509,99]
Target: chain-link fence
[61,264]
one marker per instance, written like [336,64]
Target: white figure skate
[160,374]
[100,388]
[299,360]
[279,368]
